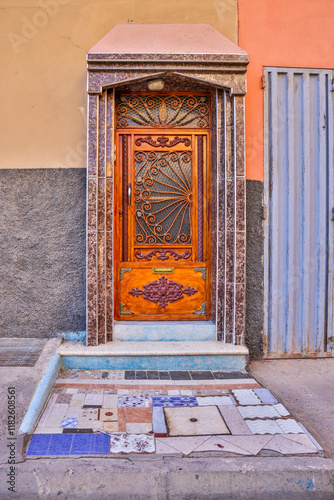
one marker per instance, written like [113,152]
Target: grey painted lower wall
[254,268]
[42,249]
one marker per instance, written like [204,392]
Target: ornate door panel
[162,218]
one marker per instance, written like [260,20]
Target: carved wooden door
[162,208]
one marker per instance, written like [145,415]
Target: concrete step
[198,355]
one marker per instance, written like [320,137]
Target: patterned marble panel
[132,443]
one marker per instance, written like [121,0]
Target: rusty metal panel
[298,196]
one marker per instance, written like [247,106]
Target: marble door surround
[218,67]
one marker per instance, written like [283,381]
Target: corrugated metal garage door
[298,252]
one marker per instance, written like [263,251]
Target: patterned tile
[258,411]
[266,397]
[198,421]
[214,401]
[69,422]
[246,397]
[132,443]
[174,401]
[108,414]
[264,426]
[133,401]
[289,426]
[281,410]
[64,398]
[234,420]
[87,416]
[110,426]
[159,424]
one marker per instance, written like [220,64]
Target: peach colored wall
[43,68]
[290,33]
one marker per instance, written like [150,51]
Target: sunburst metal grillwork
[163,111]
[163,197]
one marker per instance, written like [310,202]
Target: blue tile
[60,444]
[100,444]
[174,401]
[81,444]
[39,444]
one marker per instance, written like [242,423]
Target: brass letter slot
[163,270]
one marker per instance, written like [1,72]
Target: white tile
[186,392]
[54,421]
[214,400]
[94,400]
[185,445]
[123,391]
[71,391]
[251,444]
[47,412]
[281,410]
[60,409]
[246,397]
[263,426]
[215,443]
[138,428]
[258,411]
[48,430]
[73,411]
[194,421]
[173,392]
[289,426]
[234,420]
[164,449]
[288,447]
[110,401]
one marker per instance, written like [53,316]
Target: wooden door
[162,220]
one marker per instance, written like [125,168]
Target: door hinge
[263,82]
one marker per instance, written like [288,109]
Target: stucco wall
[286,33]
[43,61]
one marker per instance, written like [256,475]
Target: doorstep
[187,355]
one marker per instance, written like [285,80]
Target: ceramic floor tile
[184,445]
[195,421]
[54,421]
[251,444]
[138,428]
[64,398]
[69,422]
[114,375]
[258,411]
[77,403]
[99,444]
[265,396]
[88,415]
[60,444]
[246,397]
[47,412]
[289,426]
[93,400]
[164,449]
[138,415]
[108,414]
[97,425]
[81,444]
[132,443]
[73,412]
[110,426]
[158,420]
[173,392]
[234,420]
[264,426]
[48,430]
[133,401]
[288,447]
[110,401]
[59,409]
[214,401]
[174,401]
[214,443]
[122,392]
[300,438]
[39,444]
[283,412]
[186,392]
[71,391]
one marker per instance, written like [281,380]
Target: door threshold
[157,331]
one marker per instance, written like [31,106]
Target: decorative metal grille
[163,111]
[163,197]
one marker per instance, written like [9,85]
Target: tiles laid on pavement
[111,413]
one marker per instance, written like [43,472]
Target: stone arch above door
[223,75]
